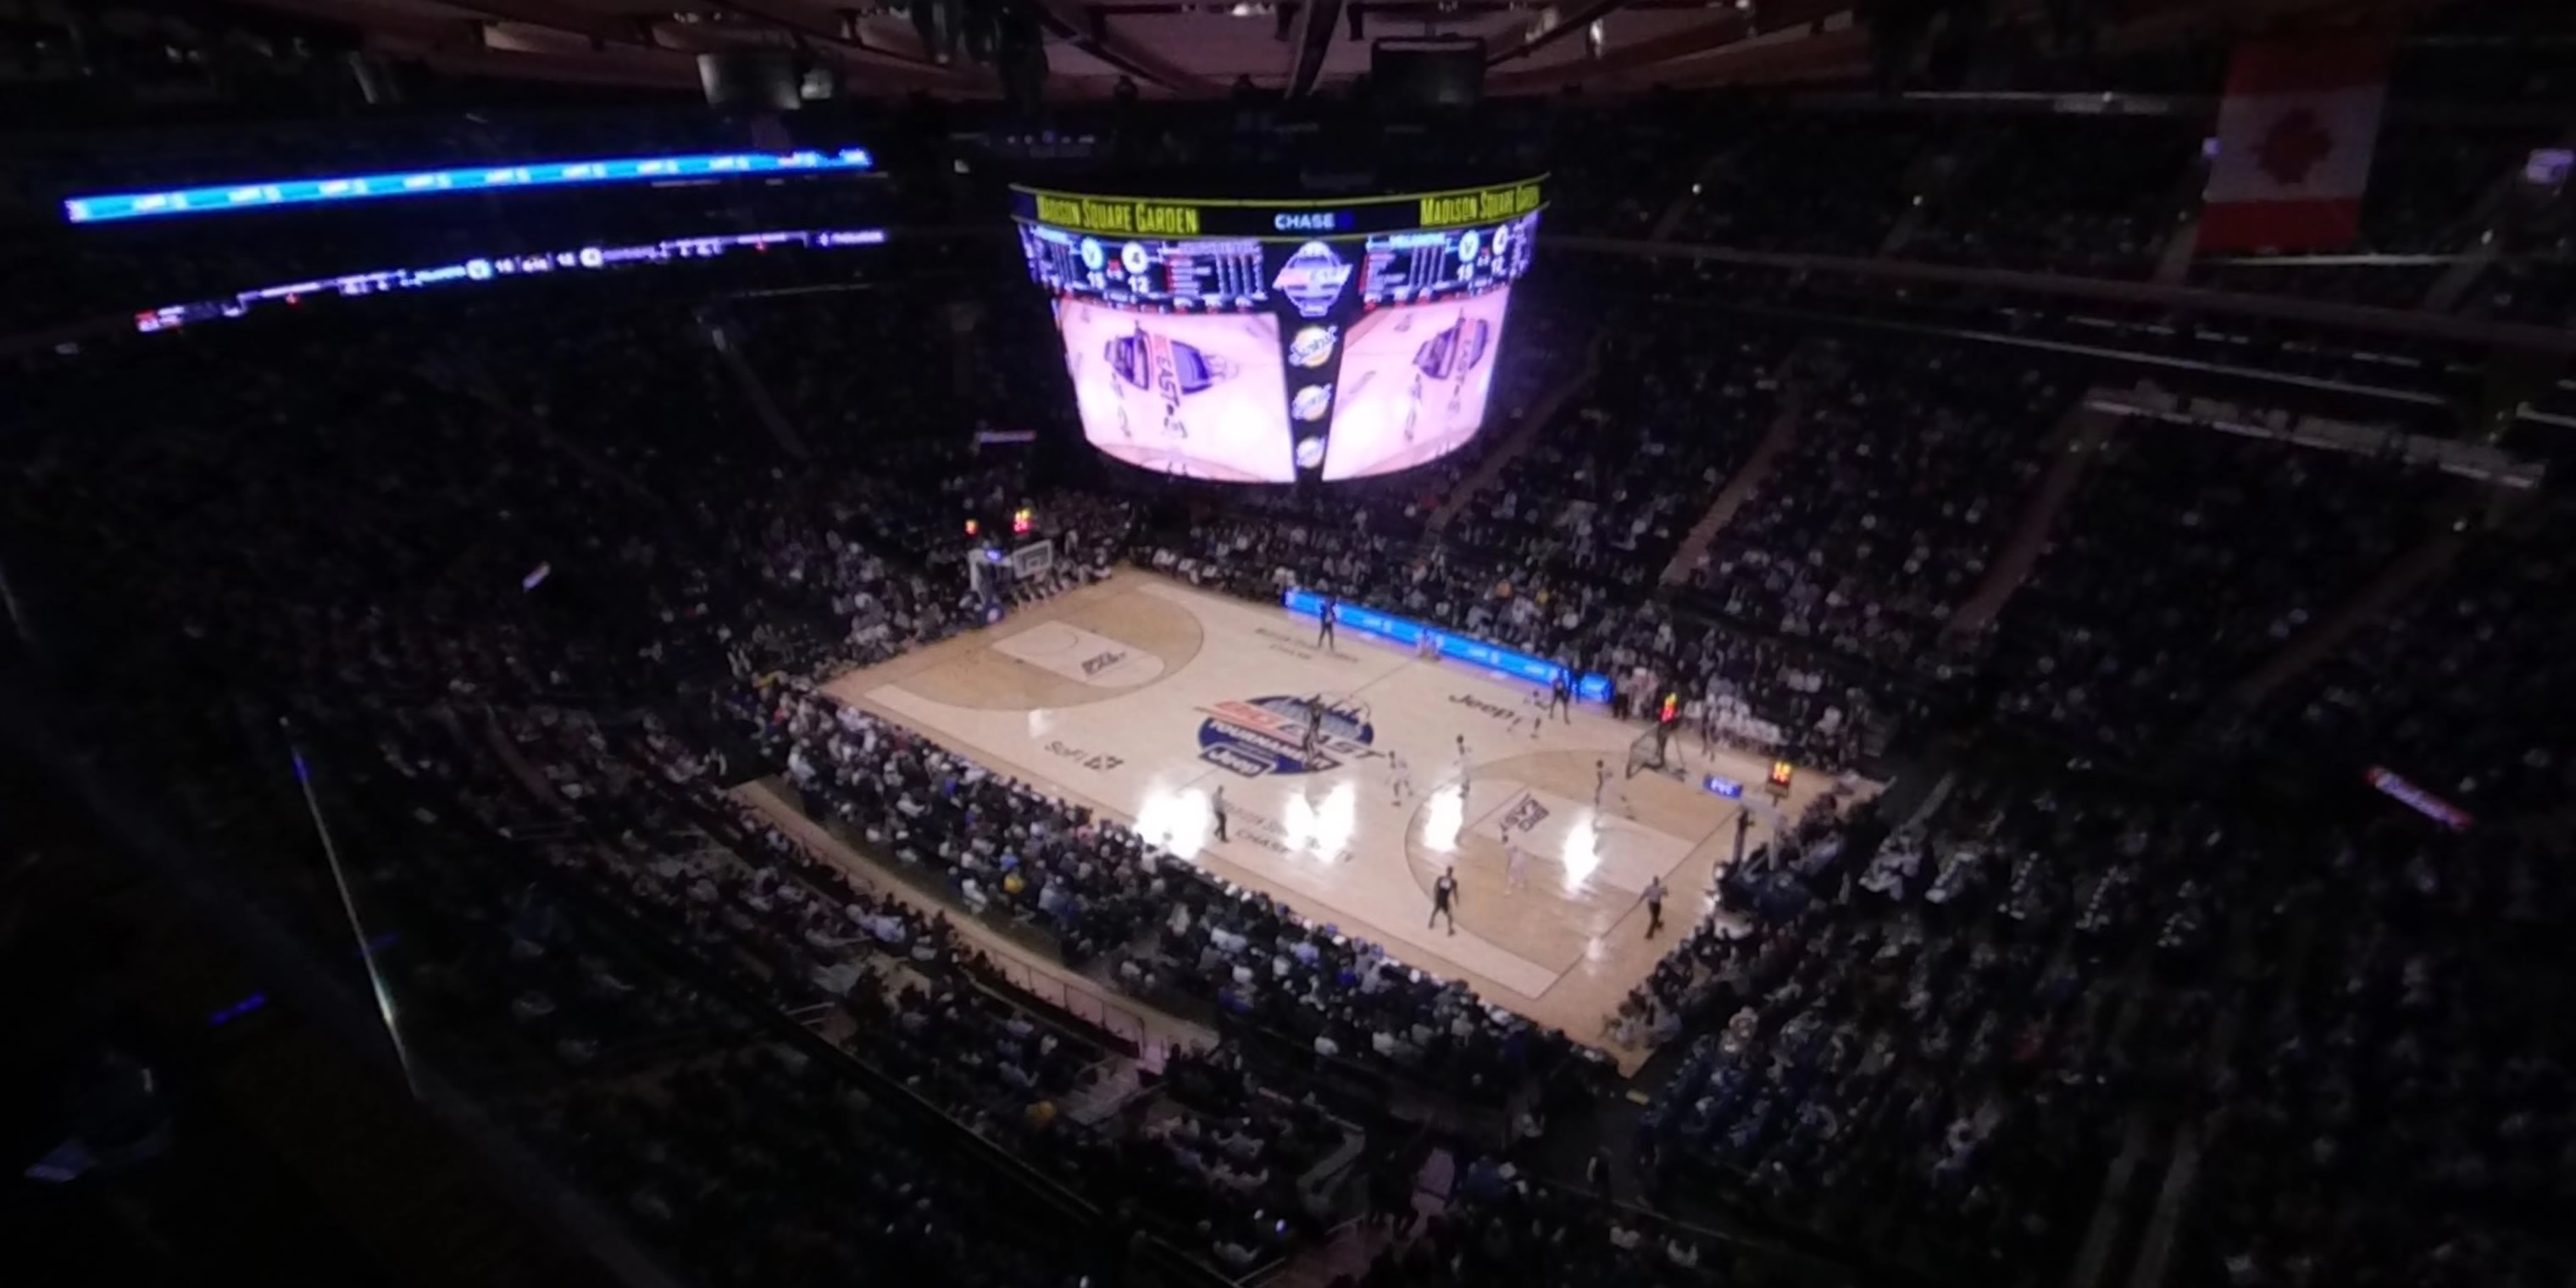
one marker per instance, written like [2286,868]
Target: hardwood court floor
[1140,696]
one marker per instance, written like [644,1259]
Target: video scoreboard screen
[1271,341]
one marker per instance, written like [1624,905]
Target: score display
[1413,266]
[1269,358]
[1204,275]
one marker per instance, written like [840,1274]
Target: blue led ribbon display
[1493,657]
[262,195]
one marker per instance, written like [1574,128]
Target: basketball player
[1324,631]
[1515,865]
[1604,784]
[1399,775]
[1654,908]
[1560,694]
[1463,769]
[1444,900]
[1216,803]
[1314,725]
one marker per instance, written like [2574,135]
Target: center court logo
[1261,736]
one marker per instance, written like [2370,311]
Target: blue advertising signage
[1493,657]
[259,194]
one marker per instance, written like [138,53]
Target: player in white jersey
[1399,775]
[1515,865]
[1463,769]
[1605,784]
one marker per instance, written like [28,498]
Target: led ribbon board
[1493,657]
[1102,215]
[501,268]
[269,194]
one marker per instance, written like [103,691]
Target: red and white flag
[2294,140]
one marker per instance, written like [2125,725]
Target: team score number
[1086,759]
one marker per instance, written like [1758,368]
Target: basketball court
[1141,696]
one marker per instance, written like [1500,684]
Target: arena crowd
[526,583]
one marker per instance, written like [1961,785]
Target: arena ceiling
[1182,48]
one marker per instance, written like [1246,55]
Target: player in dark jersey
[1444,901]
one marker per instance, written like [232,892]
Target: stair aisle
[2400,578]
[726,339]
[1517,440]
[1776,442]
[2078,442]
